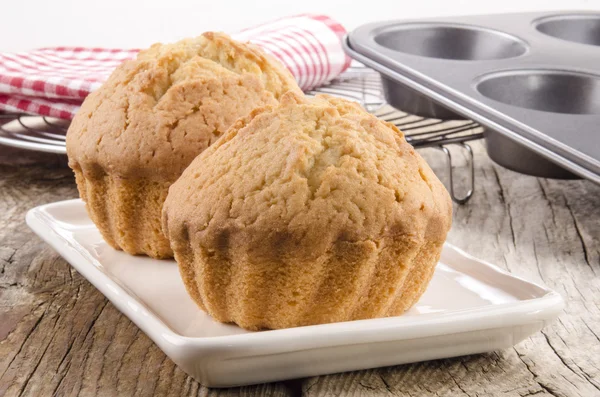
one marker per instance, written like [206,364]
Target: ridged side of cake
[127,212]
[353,281]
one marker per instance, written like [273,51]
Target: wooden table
[60,336]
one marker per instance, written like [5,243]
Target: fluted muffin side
[126,212]
[354,281]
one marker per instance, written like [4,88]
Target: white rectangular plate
[469,307]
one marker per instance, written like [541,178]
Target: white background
[28,24]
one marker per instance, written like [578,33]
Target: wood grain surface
[59,336]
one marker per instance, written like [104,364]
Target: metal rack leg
[450,171]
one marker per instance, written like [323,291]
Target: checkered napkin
[54,81]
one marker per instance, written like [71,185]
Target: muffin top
[156,113]
[293,179]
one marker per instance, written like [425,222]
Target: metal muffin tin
[532,79]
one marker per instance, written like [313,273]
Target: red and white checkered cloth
[54,81]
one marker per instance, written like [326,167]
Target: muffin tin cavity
[456,42]
[584,29]
[545,90]
[516,157]
[413,102]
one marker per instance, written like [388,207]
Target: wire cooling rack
[358,83]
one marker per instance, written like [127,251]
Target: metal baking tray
[532,79]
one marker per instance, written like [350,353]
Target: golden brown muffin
[310,212]
[134,136]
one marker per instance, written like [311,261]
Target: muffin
[135,135]
[309,212]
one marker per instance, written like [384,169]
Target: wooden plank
[59,336]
